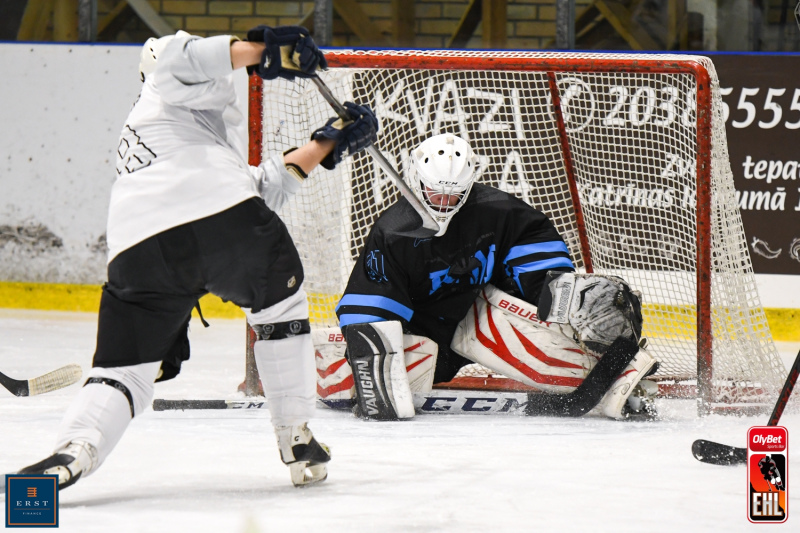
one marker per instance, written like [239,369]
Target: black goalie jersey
[430,284]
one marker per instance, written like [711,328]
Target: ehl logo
[767,471]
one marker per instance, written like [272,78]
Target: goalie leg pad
[501,332]
[599,308]
[335,385]
[614,401]
[375,353]
[587,396]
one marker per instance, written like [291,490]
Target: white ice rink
[219,471]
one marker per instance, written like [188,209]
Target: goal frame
[389,59]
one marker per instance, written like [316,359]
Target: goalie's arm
[535,247]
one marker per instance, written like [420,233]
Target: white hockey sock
[288,375]
[100,414]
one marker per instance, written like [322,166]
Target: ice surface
[219,471]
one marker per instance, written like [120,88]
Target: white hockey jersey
[181,154]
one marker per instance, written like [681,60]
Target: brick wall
[530,23]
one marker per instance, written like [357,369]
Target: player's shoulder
[395,216]
[487,196]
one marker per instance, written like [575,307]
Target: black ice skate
[69,463]
[305,457]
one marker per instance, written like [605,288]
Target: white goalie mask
[151,51]
[443,169]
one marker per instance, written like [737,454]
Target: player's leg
[137,328]
[284,357]
[250,259]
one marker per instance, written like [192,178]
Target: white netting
[632,136]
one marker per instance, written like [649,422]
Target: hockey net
[627,154]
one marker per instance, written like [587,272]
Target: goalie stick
[439,401]
[452,401]
[429,226]
[715,453]
[57,379]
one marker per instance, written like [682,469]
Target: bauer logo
[767,474]
[31,500]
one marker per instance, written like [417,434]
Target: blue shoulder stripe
[535,248]
[546,264]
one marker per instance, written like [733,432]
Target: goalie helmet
[151,51]
[443,169]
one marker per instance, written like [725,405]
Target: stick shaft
[427,219]
[788,386]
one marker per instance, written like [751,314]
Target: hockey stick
[452,401]
[437,401]
[721,454]
[429,226]
[592,389]
[57,379]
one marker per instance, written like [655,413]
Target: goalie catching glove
[289,52]
[599,308]
[351,136]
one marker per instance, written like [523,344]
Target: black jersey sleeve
[536,247]
[378,287]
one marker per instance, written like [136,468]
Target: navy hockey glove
[351,136]
[289,52]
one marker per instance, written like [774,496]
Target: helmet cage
[443,167]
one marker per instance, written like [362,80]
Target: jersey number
[133,153]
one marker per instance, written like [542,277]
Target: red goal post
[626,153]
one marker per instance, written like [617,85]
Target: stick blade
[57,379]
[715,453]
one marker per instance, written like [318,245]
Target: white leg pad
[503,333]
[286,366]
[100,414]
[288,375]
[335,376]
[614,400]
[398,376]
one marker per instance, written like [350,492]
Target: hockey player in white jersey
[496,285]
[188,216]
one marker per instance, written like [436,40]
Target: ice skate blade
[304,475]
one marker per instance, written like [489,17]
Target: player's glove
[289,52]
[351,136]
